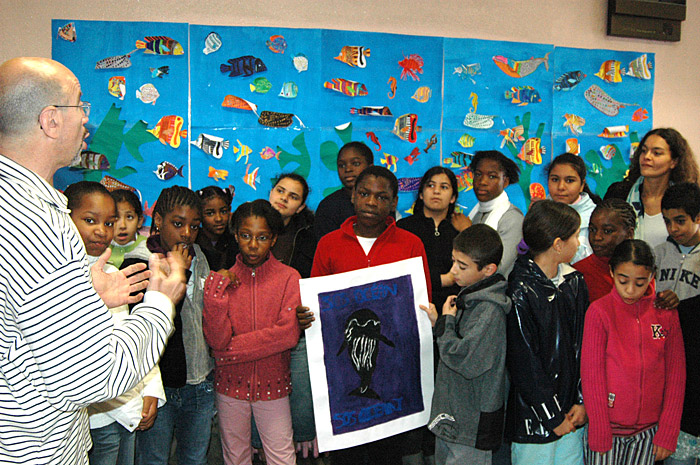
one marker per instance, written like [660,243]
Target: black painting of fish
[243,66]
[362,336]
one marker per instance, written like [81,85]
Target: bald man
[59,351]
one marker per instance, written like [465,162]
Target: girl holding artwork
[251,325]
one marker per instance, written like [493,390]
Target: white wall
[580,23]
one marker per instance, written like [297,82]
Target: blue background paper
[195,89]
[397,374]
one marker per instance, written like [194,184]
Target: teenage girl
[566,180]
[113,423]
[545,330]
[185,365]
[126,228]
[214,238]
[251,328]
[632,367]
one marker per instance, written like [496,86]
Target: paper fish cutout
[390,161]
[147,93]
[430,143]
[522,95]
[169,130]
[537,192]
[392,87]
[413,156]
[261,85]
[406,127]
[231,101]
[347,87]
[412,66]
[512,135]
[218,175]
[251,178]
[574,122]
[301,63]
[67,32]
[373,137]
[472,120]
[274,119]
[409,184]
[289,90]
[243,66]
[468,71]
[422,94]
[603,102]
[568,81]
[160,45]
[520,68]
[113,184]
[531,151]
[159,72]
[117,61]
[212,145]
[212,43]
[466,141]
[242,150]
[276,43]
[465,180]
[90,160]
[268,153]
[371,111]
[610,71]
[596,169]
[640,68]
[608,151]
[639,115]
[458,159]
[166,171]
[354,55]
[572,146]
[614,131]
[117,86]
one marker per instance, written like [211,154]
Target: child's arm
[674,386]
[218,329]
[153,397]
[283,335]
[593,372]
[481,345]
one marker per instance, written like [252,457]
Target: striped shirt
[59,350]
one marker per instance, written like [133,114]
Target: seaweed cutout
[303,159]
[612,174]
[525,168]
[329,152]
[108,140]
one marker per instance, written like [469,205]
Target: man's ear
[50,120]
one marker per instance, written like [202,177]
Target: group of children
[518,344]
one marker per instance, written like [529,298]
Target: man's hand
[148,413]
[305,317]
[168,276]
[115,289]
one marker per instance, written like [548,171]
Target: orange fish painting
[169,130]
[218,175]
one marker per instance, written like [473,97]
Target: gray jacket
[470,389]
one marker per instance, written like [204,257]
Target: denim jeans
[187,414]
[112,445]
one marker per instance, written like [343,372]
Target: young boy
[470,389]
[353,158]
[678,261]
[493,172]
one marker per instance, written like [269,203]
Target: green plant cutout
[302,159]
[525,168]
[329,152]
[108,140]
[595,169]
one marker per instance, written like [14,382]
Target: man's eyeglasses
[84,105]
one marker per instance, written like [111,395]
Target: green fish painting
[261,85]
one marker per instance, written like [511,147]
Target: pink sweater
[251,329]
[632,370]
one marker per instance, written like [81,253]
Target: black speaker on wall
[646,19]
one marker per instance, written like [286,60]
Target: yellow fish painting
[251,178]
[467,141]
[242,150]
[390,161]
[610,71]
[218,175]
[574,122]
[422,94]
[532,151]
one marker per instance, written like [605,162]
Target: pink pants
[274,421]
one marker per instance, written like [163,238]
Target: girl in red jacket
[250,323]
[632,366]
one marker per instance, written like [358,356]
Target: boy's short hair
[481,243]
[683,196]
[361,149]
[379,172]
